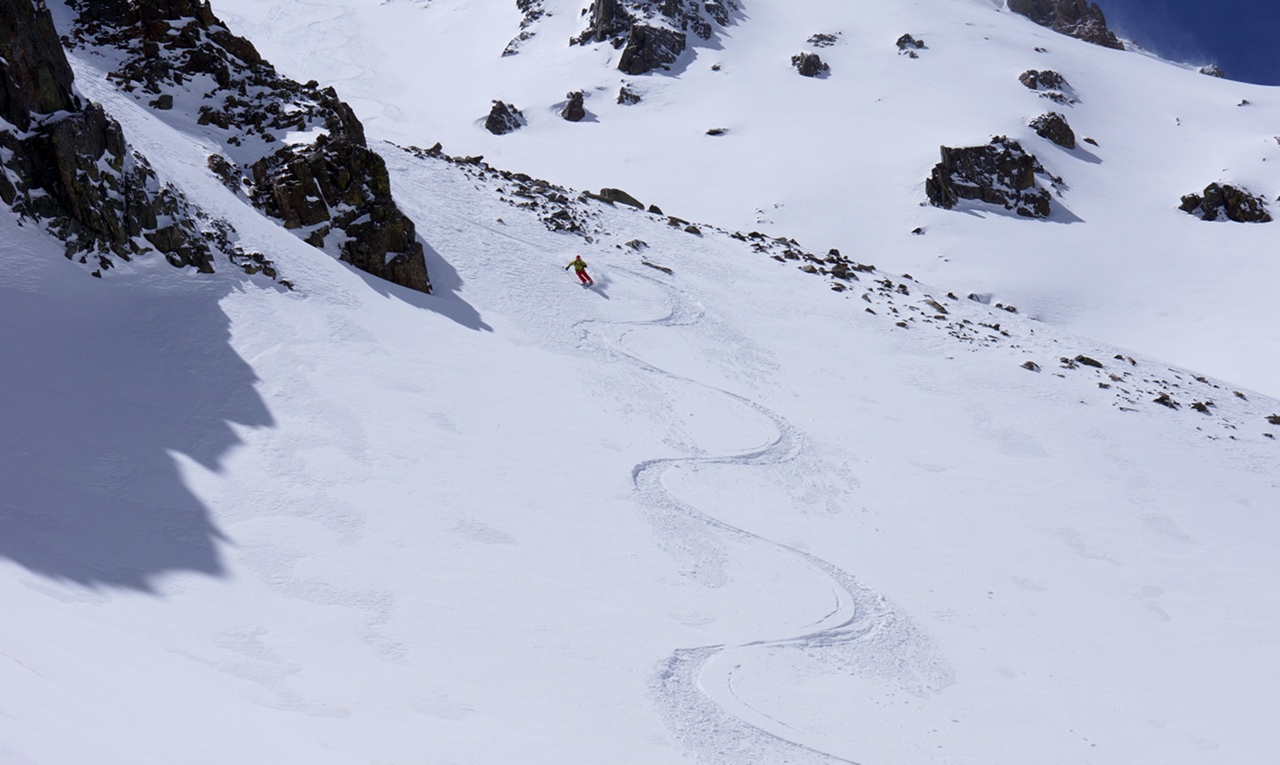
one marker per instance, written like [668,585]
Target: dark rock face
[1042,80]
[574,110]
[1000,173]
[1220,200]
[503,118]
[649,48]
[35,77]
[1054,127]
[326,182]
[652,33]
[69,166]
[1075,18]
[809,64]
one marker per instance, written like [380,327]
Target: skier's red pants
[582,277]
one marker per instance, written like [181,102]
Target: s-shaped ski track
[694,687]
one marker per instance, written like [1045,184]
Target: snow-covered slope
[727,512]
[841,161]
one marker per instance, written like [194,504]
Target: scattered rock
[809,64]
[717,131]
[1273,419]
[822,40]
[627,96]
[1053,127]
[1031,366]
[1164,400]
[1202,406]
[918,231]
[572,111]
[1075,18]
[1213,70]
[1042,80]
[1091,142]
[1236,204]
[1000,173]
[908,45]
[1088,362]
[638,244]
[504,118]
[655,210]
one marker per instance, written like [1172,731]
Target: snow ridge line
[864,634]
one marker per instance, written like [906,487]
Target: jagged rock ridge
[298,151]
[67,163]
[652,33]
[1075,18]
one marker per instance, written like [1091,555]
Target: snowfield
[721,513]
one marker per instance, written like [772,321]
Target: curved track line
[862,633]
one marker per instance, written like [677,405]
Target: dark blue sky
[1241,36]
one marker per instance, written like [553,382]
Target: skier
[579,267]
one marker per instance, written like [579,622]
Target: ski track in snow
[864,634]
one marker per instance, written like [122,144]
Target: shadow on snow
[100,386]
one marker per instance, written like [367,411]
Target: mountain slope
[730,512]
[841,161]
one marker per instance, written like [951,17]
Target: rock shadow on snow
[444,300]
[100,392]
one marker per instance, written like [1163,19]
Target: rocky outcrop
[627,96]
[648,48]
[325,183]
[810,65]
[1222,200]
[574,111]
[1001,173]
[1075,18]
[1213,70]
[503,118]
[652,33]
[67,164]
[1054,127]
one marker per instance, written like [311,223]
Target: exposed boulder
[327,185]
[1001,173]
[648,48]
[618,195]
[1219,200]
[1075,18]
[809,64]
[1054,127]
[1042,80]
[574,111]
[908,45]
[503,118]
[1213,70]
[627,96]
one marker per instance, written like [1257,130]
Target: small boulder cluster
[908,45]
[1225,201]
[810,65]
